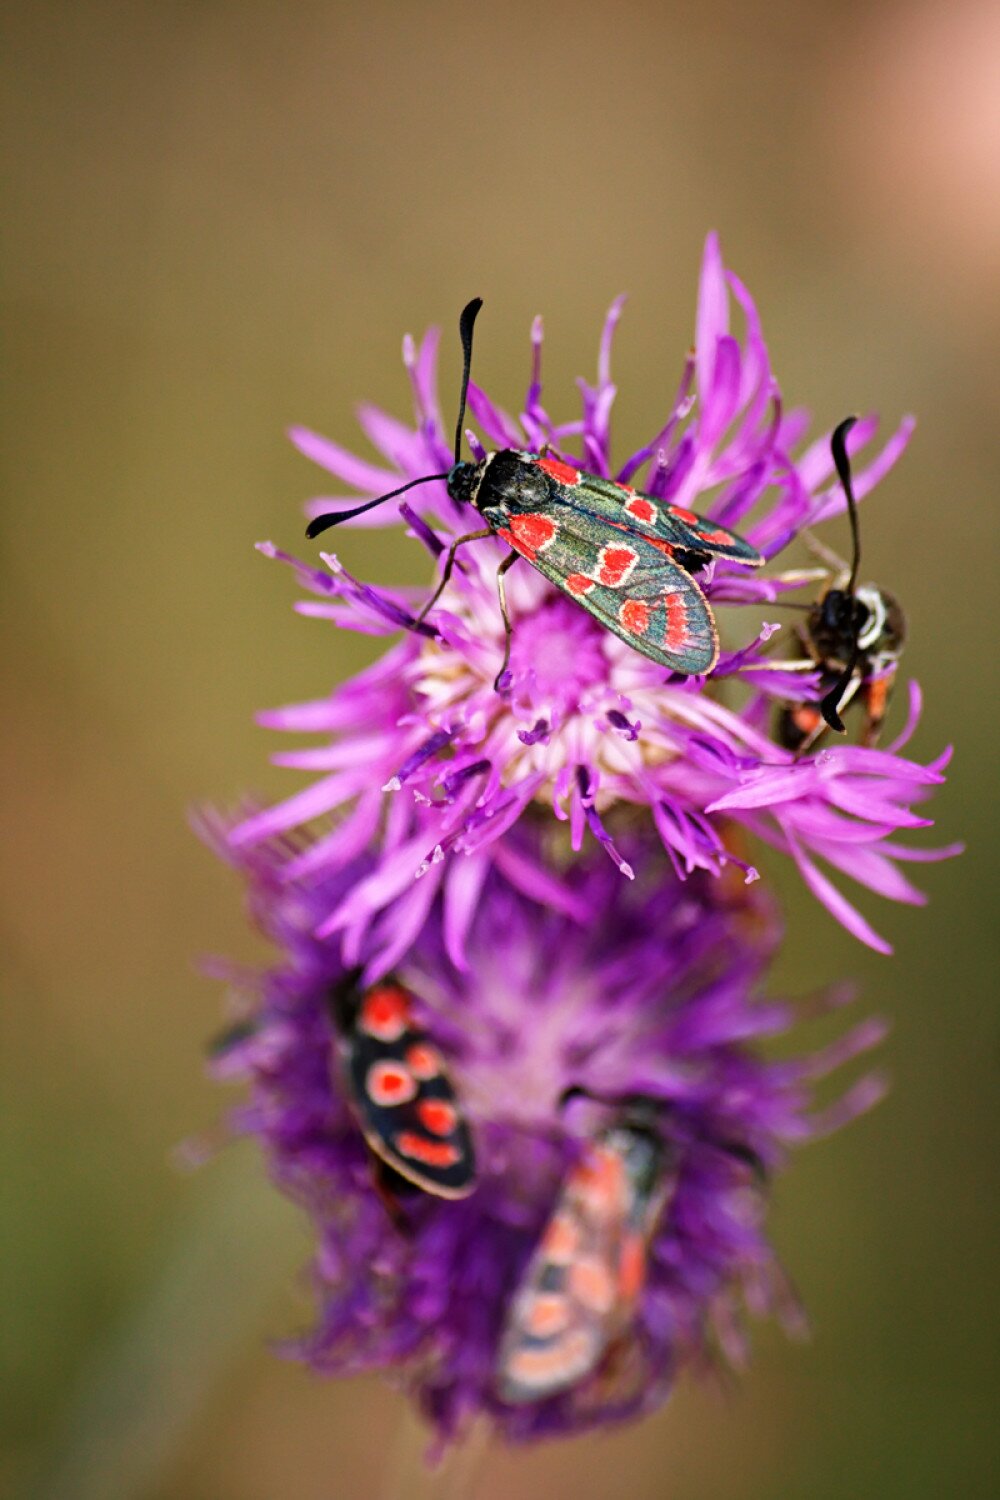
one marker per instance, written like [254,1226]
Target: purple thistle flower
[424,757]
[657,995]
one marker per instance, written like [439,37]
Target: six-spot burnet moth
[626,557]
[853,633]
[578,1295]
[399,1089]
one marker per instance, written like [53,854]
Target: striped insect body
[577,1299]
[626,557]
[853,633]
[400,1091]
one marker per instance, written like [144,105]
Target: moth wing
[404,1099]
[628,583]
[640,514]
[567,1311]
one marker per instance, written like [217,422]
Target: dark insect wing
[627,582]
[631,510]
[579,1293]
[403,1097]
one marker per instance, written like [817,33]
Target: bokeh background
[222,219]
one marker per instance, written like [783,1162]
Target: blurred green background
[222,219]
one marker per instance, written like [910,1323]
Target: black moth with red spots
[626,557]
[399,1090]
[578,1296]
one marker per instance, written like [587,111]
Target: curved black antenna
[838,447]
[334,517]
[466,323]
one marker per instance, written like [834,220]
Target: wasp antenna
[830,704]
[838,448]
[466,323]
[334,517]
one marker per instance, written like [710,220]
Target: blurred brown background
[223,218]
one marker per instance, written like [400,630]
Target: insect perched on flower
[399,1089]
[626,557]
[854,634]
[578,1296]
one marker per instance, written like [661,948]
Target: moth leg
[507,563]
[449,567]
[876,701]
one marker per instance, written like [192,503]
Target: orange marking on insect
[579,584]
[547,1314]
[563,1361]
[643,510]
[437,1116]
[385,1013]
[721,538]
[424,1061]
[806,718]
[533,533]
[665,547]
[676,631]
[564,473]
[389,1083]
[683,515]
[634,615]
[631,1267]
[429,1153]
[615,565]
[592,1284]
[560,1240]
[878,695]
[599,1182]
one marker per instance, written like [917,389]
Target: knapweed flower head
[425,756]
[552,860]
[656,995]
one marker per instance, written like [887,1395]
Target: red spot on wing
[385,1013]
[579,584]
[675,634]
[437,1116]
[643,510]
[429,1153]
[634,615]
[591,1283]
[631,1267]
[719,537]
[564,473]
[389,1083]
[555,1364]
[546,1315]
[424,1061]
[533,532]
[599,1182]
[661,545]
[683,515]
[615,565]
[561,1238]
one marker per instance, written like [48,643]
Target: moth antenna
[838,448]
[334,517]
[466,323]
